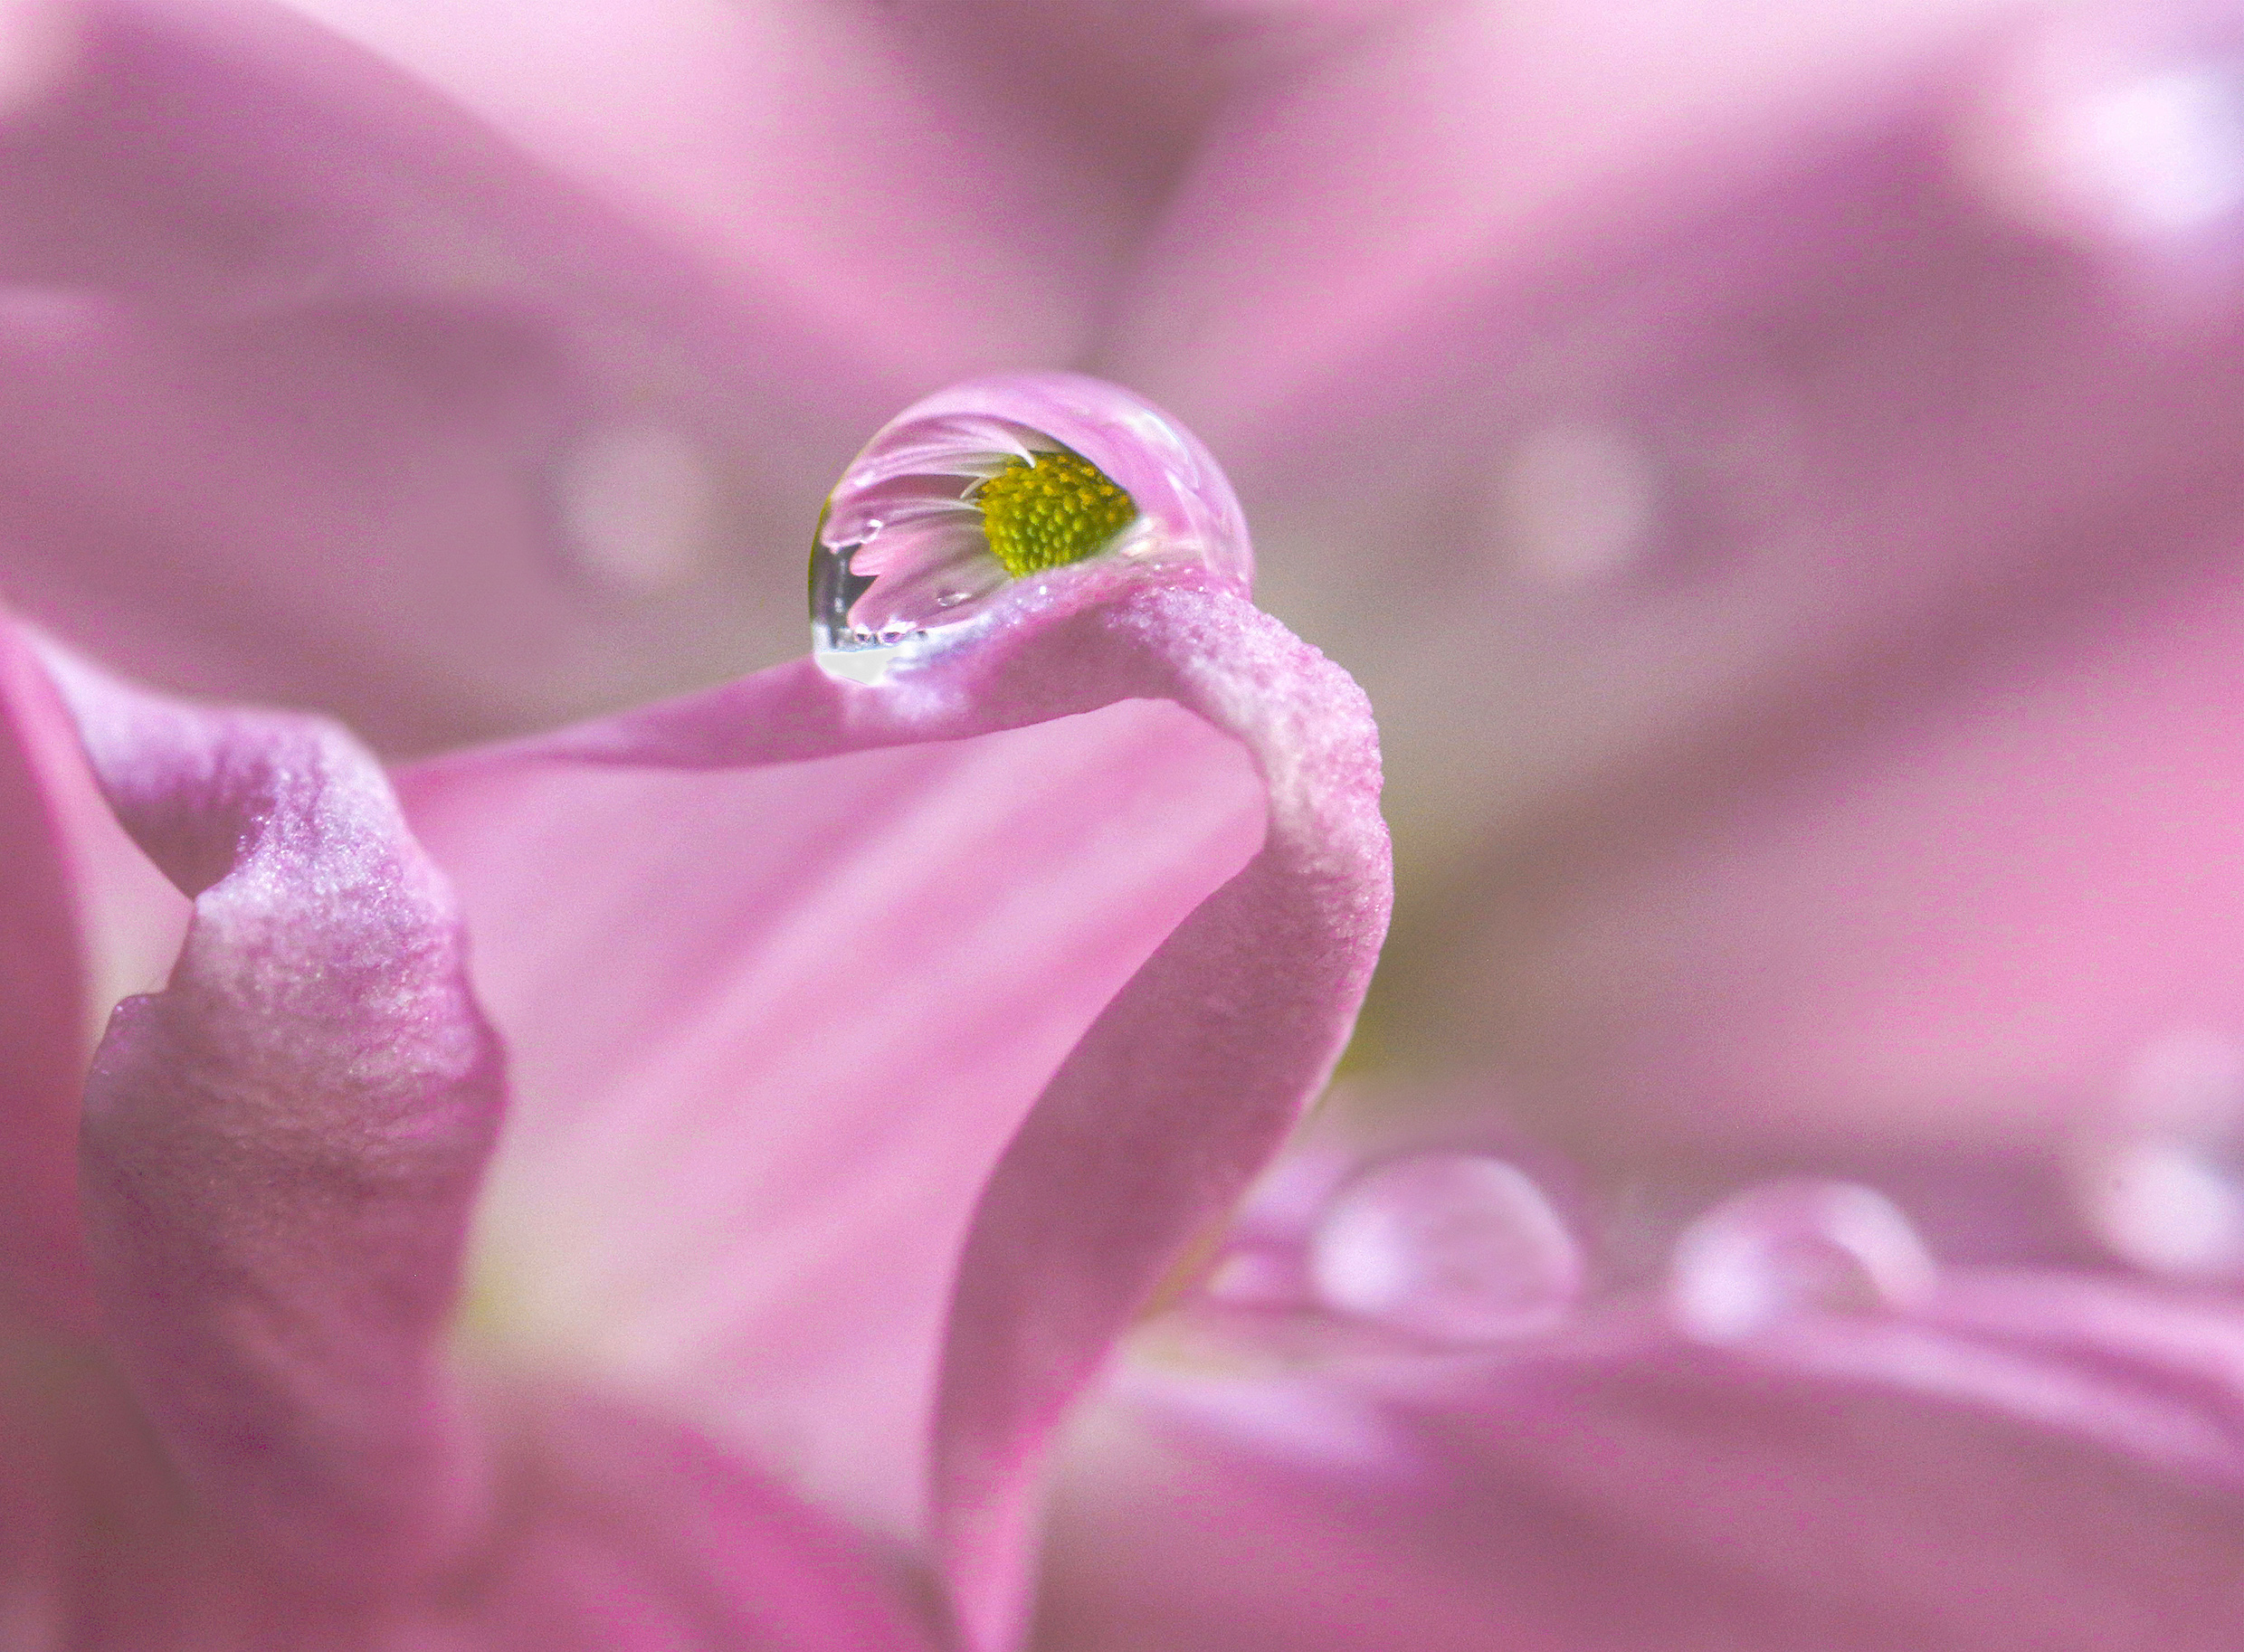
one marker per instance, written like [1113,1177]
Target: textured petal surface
[280,1148]
[1952,1480]
[264,1446]
[879,1047]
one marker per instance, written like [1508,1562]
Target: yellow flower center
[1045,514]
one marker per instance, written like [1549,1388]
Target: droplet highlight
[1002,485]
[1789,1249]
[1453,1247]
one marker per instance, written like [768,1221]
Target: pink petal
[827,1129]
[1730,430]
[1845,1483]
[290,333]
[2008,890]
[85,919]
[925,159]
[280,1148]
[44,1013]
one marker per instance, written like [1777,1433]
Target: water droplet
[1577,503]
[1076,471]
[2163,1186]
[638,503]
[1456,1248]
[1789,1248]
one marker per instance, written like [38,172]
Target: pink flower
[866,1054]
[1740,548]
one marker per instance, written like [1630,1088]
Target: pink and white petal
[882,173]
[608,1529]
[1852,1484]
[279,1149]
[877,1048]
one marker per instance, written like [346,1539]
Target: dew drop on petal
[968,493]
[638,505]
[1455,1248]
[2165,1189]
[1792,1249]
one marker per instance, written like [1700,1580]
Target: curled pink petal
[1935,1481]
[280,1148]
[1107,1068]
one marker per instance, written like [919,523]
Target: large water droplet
[1789,1248]
[2165,1187]
[964,494]
[1456,1248]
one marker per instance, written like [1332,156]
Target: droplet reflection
[1790,1248]
[977,487]
[1455,1248]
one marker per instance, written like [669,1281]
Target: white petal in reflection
[639,506]
[1456,1248]
[1790,1248]
[1577,503]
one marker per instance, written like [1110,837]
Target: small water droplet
[638,503]
[1789,1248]
[1577,503]
[918,488]
[2162,1184]
[1456,1248]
